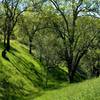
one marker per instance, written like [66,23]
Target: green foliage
[64,39]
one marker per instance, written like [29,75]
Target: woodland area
[48,43]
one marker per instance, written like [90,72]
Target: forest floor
[21,78]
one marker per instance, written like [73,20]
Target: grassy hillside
[88,90]
[21,78]
[18,76]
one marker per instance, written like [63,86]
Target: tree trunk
[30,45]
[71,73]
[71,76]
[4,39]
[8,42]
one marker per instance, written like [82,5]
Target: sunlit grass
[22,73]
[18,72]
[88,90]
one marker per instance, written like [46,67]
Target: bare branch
[62,14]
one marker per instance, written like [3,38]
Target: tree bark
[8,42]
[4,39]
[30,45]
[71,73]
[71,77]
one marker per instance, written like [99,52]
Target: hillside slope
[20,79]
[18,76]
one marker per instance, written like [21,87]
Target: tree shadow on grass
[29,70]
[25,68]
[13,92]
[4,51]
[21,62]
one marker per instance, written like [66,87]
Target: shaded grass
[21,78]
[18,74]
[23,74]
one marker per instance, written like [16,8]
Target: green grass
[21,78]
[20,73]
[88,90]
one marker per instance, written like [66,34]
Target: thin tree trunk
[46,80]
[4,39]
[30,45]
[8,42]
